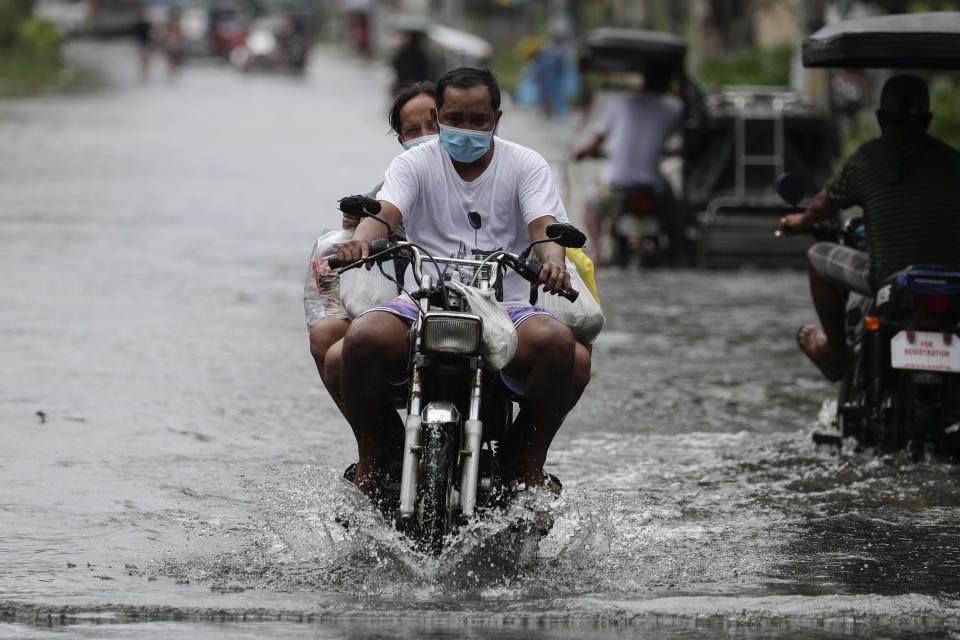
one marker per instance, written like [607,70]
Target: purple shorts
[406,310]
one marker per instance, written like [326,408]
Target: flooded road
[170,463]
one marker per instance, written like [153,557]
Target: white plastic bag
[362,288]
[584,316]
[321,289]
[499,335]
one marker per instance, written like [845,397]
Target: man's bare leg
[375,344]
[546,356]
[326,342]
[323,335]
[330,374]
[829,302]
[581,377]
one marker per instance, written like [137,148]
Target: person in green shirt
[908,185]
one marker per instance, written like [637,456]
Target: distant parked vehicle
[69,16]
[740,141]
[228,31]
[113,17]
[277,42]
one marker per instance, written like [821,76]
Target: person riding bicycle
[430,190]
[637,125]
[908,184]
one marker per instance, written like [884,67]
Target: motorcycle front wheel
[435,486]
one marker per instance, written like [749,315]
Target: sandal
[550,481]
[808,345]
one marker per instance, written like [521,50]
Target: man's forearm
[552,252]
[369,230]
[821,208]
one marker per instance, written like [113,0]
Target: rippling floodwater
[171,465]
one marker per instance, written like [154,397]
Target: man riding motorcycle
[908,184]
[637,125]
[430,190]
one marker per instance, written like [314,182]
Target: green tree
[29,49]
[749,66]
[12,14]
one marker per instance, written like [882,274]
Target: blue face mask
[410,144]
[464,145]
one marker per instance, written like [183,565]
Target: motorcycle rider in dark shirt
[908,184]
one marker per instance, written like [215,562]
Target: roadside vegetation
[944,98]
[751,66]
[29,50]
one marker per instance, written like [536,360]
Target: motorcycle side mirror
[566,235]
[359,206]
[790,188]
[363,207]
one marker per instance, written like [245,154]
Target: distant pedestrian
[551,72]
[410,63]
[144,37]
[549,79]
[358,12]
[173,40]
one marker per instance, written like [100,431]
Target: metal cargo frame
[737,208]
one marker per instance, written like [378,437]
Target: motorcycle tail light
[454,333]
[641,203]
[871,323]
[930,302]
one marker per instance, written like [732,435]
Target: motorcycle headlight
[456,333]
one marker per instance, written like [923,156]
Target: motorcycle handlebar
[822,232]
[530,271]
[379,245]
[381,248]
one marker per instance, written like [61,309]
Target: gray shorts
[842,266]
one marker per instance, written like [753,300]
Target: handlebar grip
[570,295]
[379,244]
[818,231]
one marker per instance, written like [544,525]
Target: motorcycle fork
[875,378]
[472,439]
[412,446]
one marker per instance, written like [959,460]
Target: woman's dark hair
[424,87]
[467,78]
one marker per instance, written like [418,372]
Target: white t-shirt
[515,189]
[636,127]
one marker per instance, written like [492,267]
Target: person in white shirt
[637,126]
[430,189]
